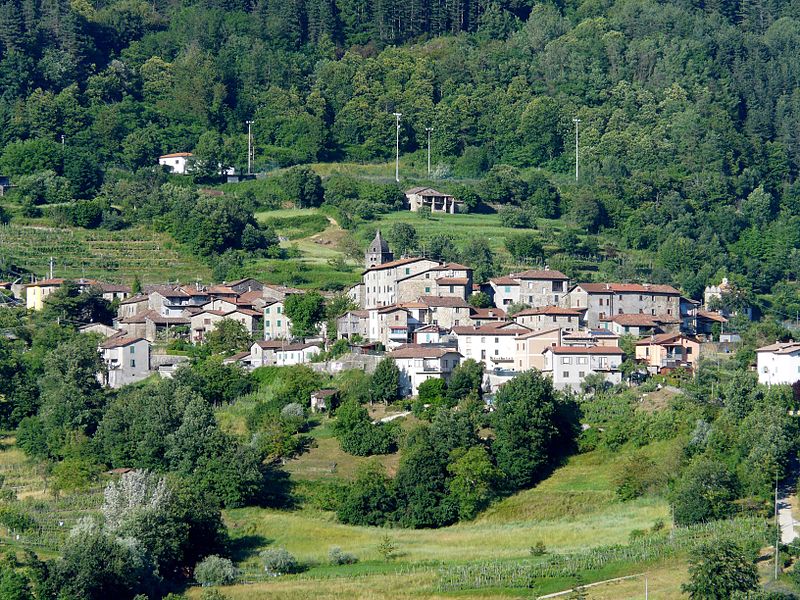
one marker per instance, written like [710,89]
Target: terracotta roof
[487,313]
[135,299]
[662,338]
[781,348]
[504,281]
[430,327]
[396,263]
[176,155]
[414,305]
[452,266]
[452,281]
[237,357]
[118,342]
[46,282]
[299,346]
[711,316]
[444,301]
[585,350]
[538,332]
[551,310]
[540,274]
[426,191]
[389,308]
[168,291]
[250,297]
[110,288]
[421,351]
[222,289]
[246,311]
[361,314]
[325,393]
[268,344]
[634,288]
[504,328]
[634,320]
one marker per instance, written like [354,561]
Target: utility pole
[63,137]
[249,148]
[646,594]
[397,116]
[429,129]
[576,120]
[777,528]
[51,267]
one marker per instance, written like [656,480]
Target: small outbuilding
[324,400]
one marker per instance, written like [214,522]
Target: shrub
[538,549]
[387,547]
[338,557]
[278,561]
[215,570]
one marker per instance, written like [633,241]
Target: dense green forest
[690,114]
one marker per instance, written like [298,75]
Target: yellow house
[35,293]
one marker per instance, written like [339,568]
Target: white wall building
[418,363]
[570,365]
[778,363]
[177,162]
[127,360]
[276,325]
[493,344]
[297,354]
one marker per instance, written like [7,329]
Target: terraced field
[107,255]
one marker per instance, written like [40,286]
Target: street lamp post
[397,116]
[249,148]
[429,129]
[576,120]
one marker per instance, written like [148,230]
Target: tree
[358,435]
[305,311]
[228,337]
[369,500]
[215,570]
[465,379]
[70,305]
[720,569]
[535,427]
[474,480]
[385,383]
[480,256]
[211,157]
[403,237]
[705,492]
[525,247]
[480,300]
[303,186]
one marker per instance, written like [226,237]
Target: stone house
[418,363]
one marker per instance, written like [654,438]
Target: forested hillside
[690,113]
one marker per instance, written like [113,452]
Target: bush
[215,570]
[278,561]
[538,549]
[337,557]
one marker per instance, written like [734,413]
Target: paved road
[393,417]
[785,518]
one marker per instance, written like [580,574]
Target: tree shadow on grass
[246,546]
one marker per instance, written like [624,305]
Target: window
[451,289]
[640,298]
[581,374]
[530,299]
[496,352]
[266,311]
[496,340]
[566,360]
[619,311]
[554,318]
[565,374]
[280,309]
[278,322]
[688,350]
[508,290]
[266,323]
[133,363]
[427,290]
[408,271]
[581,360]
[133,349]
[427,275]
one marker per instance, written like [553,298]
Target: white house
[493,344]
[297,354]
[276,325]
[177,162]
[778,363]
[570,365]
[127,360]
[418,363]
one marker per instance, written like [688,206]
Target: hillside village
[417,311]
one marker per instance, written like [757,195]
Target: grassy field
[96,253]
